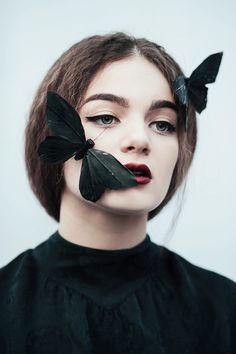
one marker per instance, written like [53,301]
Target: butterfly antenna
[100,134]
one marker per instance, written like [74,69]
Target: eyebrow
[122,101]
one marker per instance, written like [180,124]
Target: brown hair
[70,76]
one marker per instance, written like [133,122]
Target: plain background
[34,34]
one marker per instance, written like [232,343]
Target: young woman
[99,284]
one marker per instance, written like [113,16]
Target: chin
[116,210]
[127,202]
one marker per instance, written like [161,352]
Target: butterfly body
[89,144]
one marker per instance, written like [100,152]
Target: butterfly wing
[63,119]
[56,149]
[101,170]
[205,73]
[198,97]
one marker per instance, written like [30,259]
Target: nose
[136,140]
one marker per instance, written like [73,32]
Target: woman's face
[134,134]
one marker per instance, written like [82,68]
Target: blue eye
[164,126]
[105,119]
[161,126]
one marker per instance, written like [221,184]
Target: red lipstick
[142,173]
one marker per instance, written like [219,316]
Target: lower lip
[142,179]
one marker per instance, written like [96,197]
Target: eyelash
[171,127]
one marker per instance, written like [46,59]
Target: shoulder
[23,265]
[198,282]
[15,268]
[200,274]
[20,270]
[19,282]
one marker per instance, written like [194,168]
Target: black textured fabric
[62,298]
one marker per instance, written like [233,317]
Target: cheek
[166,163]
[106,140]
[95,132]
[72,170]
[171,158]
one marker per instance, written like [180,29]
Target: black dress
[63,298]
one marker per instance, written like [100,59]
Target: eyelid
[170,115]
[167,119]
[100,116]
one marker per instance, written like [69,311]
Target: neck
[88,225]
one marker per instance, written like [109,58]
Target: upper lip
[139,167]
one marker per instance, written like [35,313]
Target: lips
[141,169]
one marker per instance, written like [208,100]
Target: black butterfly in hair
[193,88]
[99,170]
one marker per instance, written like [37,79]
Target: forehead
[134,77]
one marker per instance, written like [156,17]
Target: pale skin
[118,220]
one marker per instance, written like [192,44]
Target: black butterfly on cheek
[193,88]
[99,170]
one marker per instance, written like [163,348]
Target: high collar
[72,248]
[95,272]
